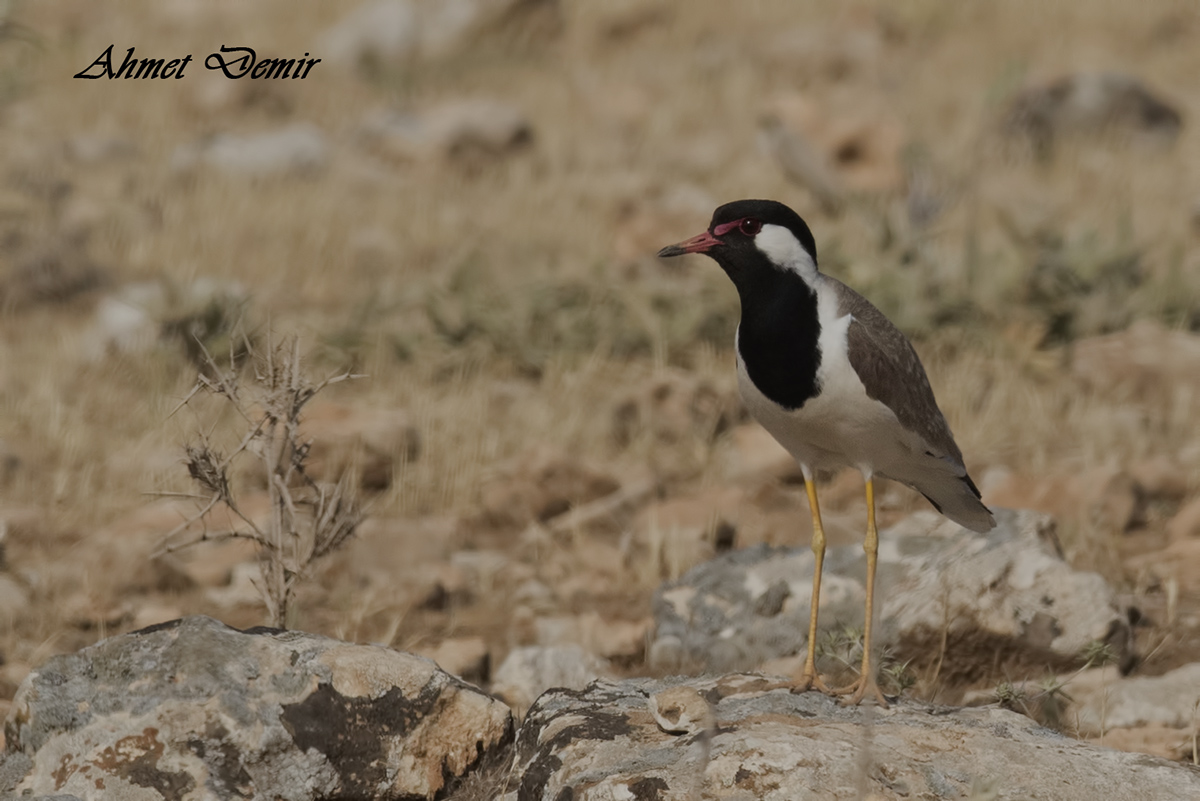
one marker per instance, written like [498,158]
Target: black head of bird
[751,234]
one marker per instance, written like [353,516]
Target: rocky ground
[194,709]
[460,205]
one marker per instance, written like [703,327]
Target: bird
[837,385]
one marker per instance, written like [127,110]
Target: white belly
[840,427]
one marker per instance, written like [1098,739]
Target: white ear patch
[783,248]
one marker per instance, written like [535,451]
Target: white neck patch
[783,248]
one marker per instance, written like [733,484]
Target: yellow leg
[865,685]
[809,679]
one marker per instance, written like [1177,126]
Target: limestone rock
[1008,591]
[1090,104]
[13,767]
[95,148]
[528,672]
[1149,714]
[469,128]
[1104,701]
[747,737]
[194,709]
[299,148]
[140,316]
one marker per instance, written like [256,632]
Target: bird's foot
[859,689]
[811,680]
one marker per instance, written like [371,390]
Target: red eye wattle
[750,226]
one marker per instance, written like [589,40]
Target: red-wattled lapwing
[835,383]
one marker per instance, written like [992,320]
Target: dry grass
[446,284]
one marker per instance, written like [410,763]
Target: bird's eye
[750,226]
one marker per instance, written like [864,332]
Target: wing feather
[892,374]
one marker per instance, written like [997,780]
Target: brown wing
[892,373]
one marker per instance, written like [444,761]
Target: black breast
[777,338]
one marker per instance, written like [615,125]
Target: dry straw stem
[308,520]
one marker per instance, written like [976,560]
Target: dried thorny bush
[308,519]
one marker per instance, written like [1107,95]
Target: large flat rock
[194,709]
[746,736]
[944,593]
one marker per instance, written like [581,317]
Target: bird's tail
[947,486]
[957,498]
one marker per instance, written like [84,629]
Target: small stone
[299,149]
[471,128]
[681,710]
[770,603]
[96,148]
[666,654]
[1091,104]
[137,317]
[528,672]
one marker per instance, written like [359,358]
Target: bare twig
[307,520]
[162,547]
[206,536]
